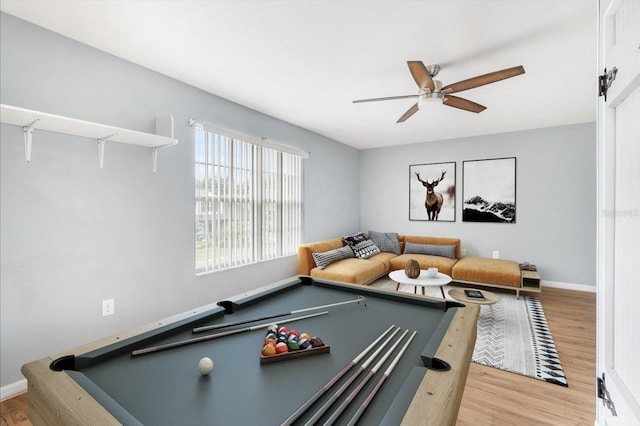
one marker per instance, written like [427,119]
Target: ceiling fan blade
[409,113]
[456,102]
[421,75]
[481,80]
[388,98]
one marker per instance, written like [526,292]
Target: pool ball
[305,336]
[271,336]
[316,342]
[304,343]
[269,349]
[205,365]
[282,347]
[293,345]
[283,330]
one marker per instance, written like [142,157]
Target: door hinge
[603,394]
[605,80]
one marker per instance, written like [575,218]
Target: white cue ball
[205,365]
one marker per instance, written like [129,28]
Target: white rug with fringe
[513,335]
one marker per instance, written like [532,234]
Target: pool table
[102,383]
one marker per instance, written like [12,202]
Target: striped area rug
[513,335]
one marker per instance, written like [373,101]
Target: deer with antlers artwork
[433,201]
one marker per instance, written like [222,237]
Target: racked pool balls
[280,340]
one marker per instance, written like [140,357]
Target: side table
[459,295]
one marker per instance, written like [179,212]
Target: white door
[619,212]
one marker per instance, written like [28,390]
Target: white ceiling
[304,61]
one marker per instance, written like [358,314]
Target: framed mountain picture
[489,190]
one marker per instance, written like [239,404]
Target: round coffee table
[460,296]
[421,281]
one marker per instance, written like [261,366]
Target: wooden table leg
[442,291]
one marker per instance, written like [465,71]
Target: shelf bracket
[154,154]
[28,139]
[101,142]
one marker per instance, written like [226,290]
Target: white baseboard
[569,286]
[13,389]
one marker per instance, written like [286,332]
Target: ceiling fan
[432,90]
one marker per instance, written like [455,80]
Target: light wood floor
[494,397]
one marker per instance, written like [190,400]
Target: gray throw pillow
[431,249]
[386,241]
[328,257]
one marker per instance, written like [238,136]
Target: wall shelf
[31,120]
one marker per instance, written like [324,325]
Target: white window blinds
[248,199]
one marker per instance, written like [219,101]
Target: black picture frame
[489,190]
[423,175]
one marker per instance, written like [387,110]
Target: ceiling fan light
[427,98]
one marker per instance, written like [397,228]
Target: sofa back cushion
[386,241]
[404,239]
[432,249]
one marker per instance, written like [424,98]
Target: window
[248,199]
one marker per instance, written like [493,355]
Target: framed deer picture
[489,190]
[432,192]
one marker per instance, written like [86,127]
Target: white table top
[422,280]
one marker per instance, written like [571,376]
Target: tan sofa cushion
[426,261]
[352,270]
[485,270]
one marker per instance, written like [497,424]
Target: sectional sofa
[364,257]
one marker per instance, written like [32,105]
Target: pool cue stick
[364,381]
[320,412]
[297,311]
[373,392]
[215,336]
[331,382]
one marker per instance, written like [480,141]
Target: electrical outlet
[463,251]
[496,254]
[108,307]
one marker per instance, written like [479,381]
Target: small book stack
[528,267]
[474,294]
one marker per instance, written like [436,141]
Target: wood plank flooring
[494,397]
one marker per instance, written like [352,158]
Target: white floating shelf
[31,120]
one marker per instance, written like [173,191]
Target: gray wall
[73,235]
[556,197]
